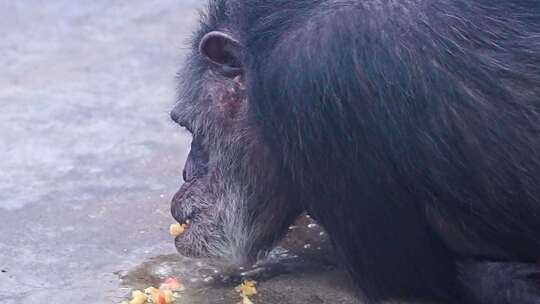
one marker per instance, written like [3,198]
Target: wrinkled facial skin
[235,199]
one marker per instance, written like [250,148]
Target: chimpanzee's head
[236,199]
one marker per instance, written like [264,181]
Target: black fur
[411,128]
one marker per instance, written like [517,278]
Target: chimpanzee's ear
[223,51]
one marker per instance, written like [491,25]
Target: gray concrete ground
[90,160]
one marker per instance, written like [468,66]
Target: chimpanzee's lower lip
[176,205]
[188,244]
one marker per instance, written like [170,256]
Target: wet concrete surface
[90,160]
[301,269]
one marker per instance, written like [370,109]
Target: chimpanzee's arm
[501,282]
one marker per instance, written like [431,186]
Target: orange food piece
[171,283]
[163,297]
[160,298]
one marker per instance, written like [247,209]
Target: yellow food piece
[246,300]
[164,295]
[250,283]
[138,297]
[151,291]
[247,288]
[169,298]
[177,229]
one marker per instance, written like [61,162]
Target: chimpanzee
[409,129]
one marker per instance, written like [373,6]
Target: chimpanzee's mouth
[185,219]
[194,241]
[181,210]
[184,207]
[191,243]
[189,206]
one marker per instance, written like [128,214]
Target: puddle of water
[303,259]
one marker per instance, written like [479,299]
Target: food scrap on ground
[246,300]
[163,295]
[172,284]
[177,229]
[246,290]
[138,297]
[151,291]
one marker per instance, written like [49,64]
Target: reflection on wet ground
[301,269]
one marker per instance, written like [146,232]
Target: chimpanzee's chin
[186,203]
[187,250]
[193,243]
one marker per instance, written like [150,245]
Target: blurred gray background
[89,160]
[88,157]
